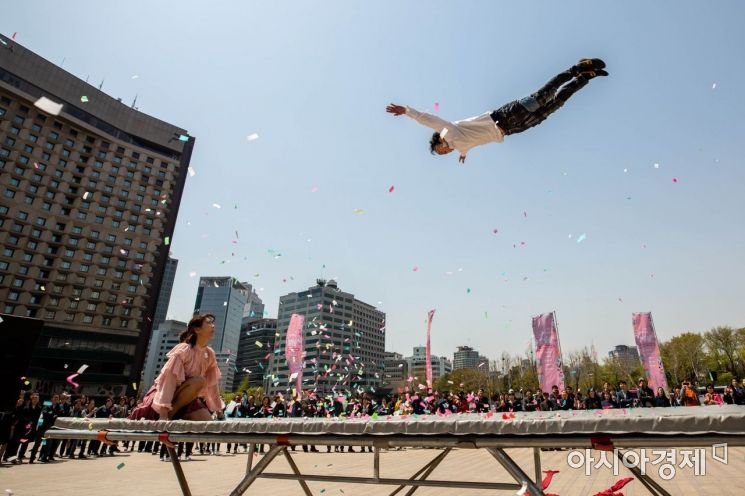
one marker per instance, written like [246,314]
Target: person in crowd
[248,406]
[623,396]
[187,387]
[565,402]
[530,403]
[608,401]
[689,395]
[29,424]
[592,401]
[645,394]
[711,397]
[547,404]
[46,420]
[738,392]
[661,399]
[579,401]
[728,396]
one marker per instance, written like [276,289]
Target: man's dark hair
[436,140]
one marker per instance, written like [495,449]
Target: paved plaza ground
[144,474]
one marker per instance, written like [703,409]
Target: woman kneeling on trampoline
[187,387]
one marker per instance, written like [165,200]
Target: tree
[683,357]
[723,342]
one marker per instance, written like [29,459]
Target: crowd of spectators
[32,418]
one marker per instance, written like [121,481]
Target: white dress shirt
[464,134]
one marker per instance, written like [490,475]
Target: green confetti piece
[84,99]
[468,291]
[120,466]
[167,240]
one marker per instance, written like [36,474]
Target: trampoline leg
[250,461]
[652,486]
[376,463]
[303,484]
[429,470]
[432,464]
[537,465]
[179,471]
[257,470]
[515,471]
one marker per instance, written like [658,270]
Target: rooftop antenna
[101,85]
[134,102]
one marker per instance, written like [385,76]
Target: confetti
[437,106]
[468,290]
[135,76]
[216,205]
[415,269]
[675,179]
[581,238]
[495,231]
[714,86]
[48,106]
[192,172]
[84,99]
[358,211]
[82,369]
[120,466]
[183,137]
[390,190]
[314,189]
[192,274]
[252,137]
[134,386]
[656,166]
[167,241]
[625,171]
[71,382]
[86,195]
[259,344]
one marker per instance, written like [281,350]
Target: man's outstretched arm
[429,120]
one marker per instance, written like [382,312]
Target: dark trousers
[519,115]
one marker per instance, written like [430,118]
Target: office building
[89,193]
[417,364]
[254,308]
[255,343]
[164,298]
[225,298]
[395,372]
[465,357]
[344,342]
[628,356]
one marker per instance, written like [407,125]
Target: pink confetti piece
[415,269]
[437,106]
[495,231]
[390,190]
[71,382]
[675,179]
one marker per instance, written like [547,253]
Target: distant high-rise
[256,342]
[161,309]
[418,367]
[163,339]
[395,372]
[627,355]
[465,357]
[225,298]
[89,192]
[344,341]
[254,308]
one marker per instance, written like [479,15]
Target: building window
[9,193]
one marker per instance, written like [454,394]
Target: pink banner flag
[294,351]
[649,350]
[548,352]
[428,349]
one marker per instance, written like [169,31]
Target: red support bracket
[604,443]
[163,438]
[283,440]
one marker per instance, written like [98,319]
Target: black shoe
[585,65]
[82,456]
[592,74]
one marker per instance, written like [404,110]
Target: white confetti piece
[86,195]
[714,86]
[252,137]
[216,205]
[135,76]
[82,369]
[656,166]
[581,238]
[192,172]
[192,274]
[48,106]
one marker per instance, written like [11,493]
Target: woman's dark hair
[436,140]
[189,336]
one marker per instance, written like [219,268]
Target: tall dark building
[164,297]
[89,192]
[256,342]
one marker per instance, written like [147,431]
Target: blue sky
[312,80]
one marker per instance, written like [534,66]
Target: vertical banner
[428,349]
[649,350]
[294,351]
[548,352]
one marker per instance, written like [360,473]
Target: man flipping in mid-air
[515,117]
